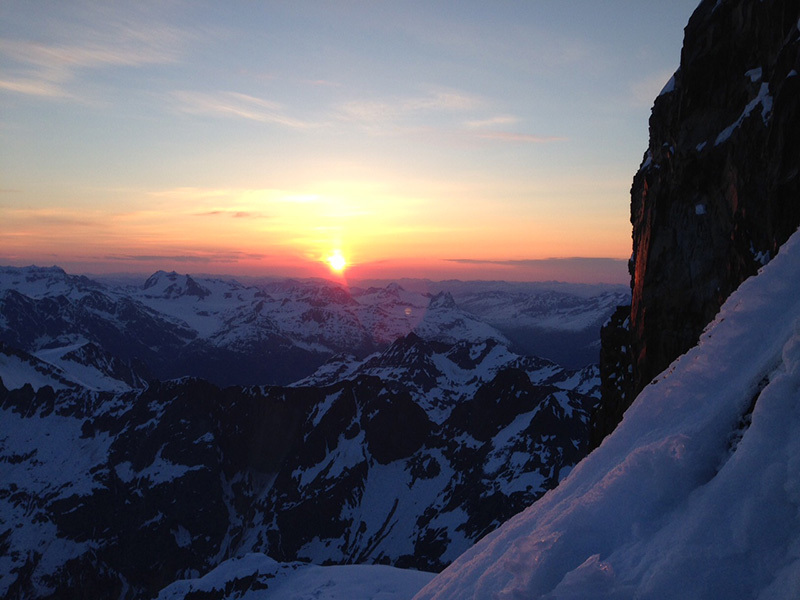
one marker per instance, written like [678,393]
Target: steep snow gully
[680,501]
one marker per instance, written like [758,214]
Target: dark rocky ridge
[718,191]
[116,495]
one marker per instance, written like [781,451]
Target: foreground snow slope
[692,496]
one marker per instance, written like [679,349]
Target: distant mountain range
[409,427]
[280,331]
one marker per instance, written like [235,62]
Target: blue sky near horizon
[432,139]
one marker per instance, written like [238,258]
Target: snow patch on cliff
[763,99]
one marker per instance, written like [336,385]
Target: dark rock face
[616,375]
[718,191]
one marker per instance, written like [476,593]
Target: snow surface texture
[692,496]
[257,577]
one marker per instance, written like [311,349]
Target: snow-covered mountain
[360,469]
[438,375]
[229,333]
[558,321]
[423,430]
[695,495]
[79,366]
[415,429]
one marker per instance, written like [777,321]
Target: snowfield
[693,496]
[257,577]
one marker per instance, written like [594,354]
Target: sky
[468,140]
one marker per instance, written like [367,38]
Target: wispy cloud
[369,111]
[54,69]
[574,269]
[496,121]
[324,83]
[488,128]
[448,100]
[192,193]
[204,258]
[510,136]
[234,104]
[449,108]
[55,216]
[34,87]
[542,261]
[235,214]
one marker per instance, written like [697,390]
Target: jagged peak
[158,276]
[34,269]
[175,285]
[442,300]
[394,288]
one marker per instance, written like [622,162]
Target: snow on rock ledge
[681,501]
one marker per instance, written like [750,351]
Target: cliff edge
[718,190]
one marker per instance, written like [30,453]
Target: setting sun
[337,262]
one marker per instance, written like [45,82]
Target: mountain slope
[406,460]
[697,492]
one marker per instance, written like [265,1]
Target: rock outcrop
[718,191]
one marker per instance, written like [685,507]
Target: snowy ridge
[256,576]
[43,282]
[549,309]
[356,471]
[417,439]
[426,432]
[440,375]
[18,368]
[683,500]
[281,331]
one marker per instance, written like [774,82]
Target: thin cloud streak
[226,257]
[493,121]
[576,269]
[235,214]
[508,136]
[48,69]
[539,261]
[192,193]
[54,216]
[237,105]
[395,108]
[34,87]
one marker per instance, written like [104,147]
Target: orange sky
[259,138]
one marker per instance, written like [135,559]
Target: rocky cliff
[718,191]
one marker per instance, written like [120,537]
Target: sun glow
[337,262]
